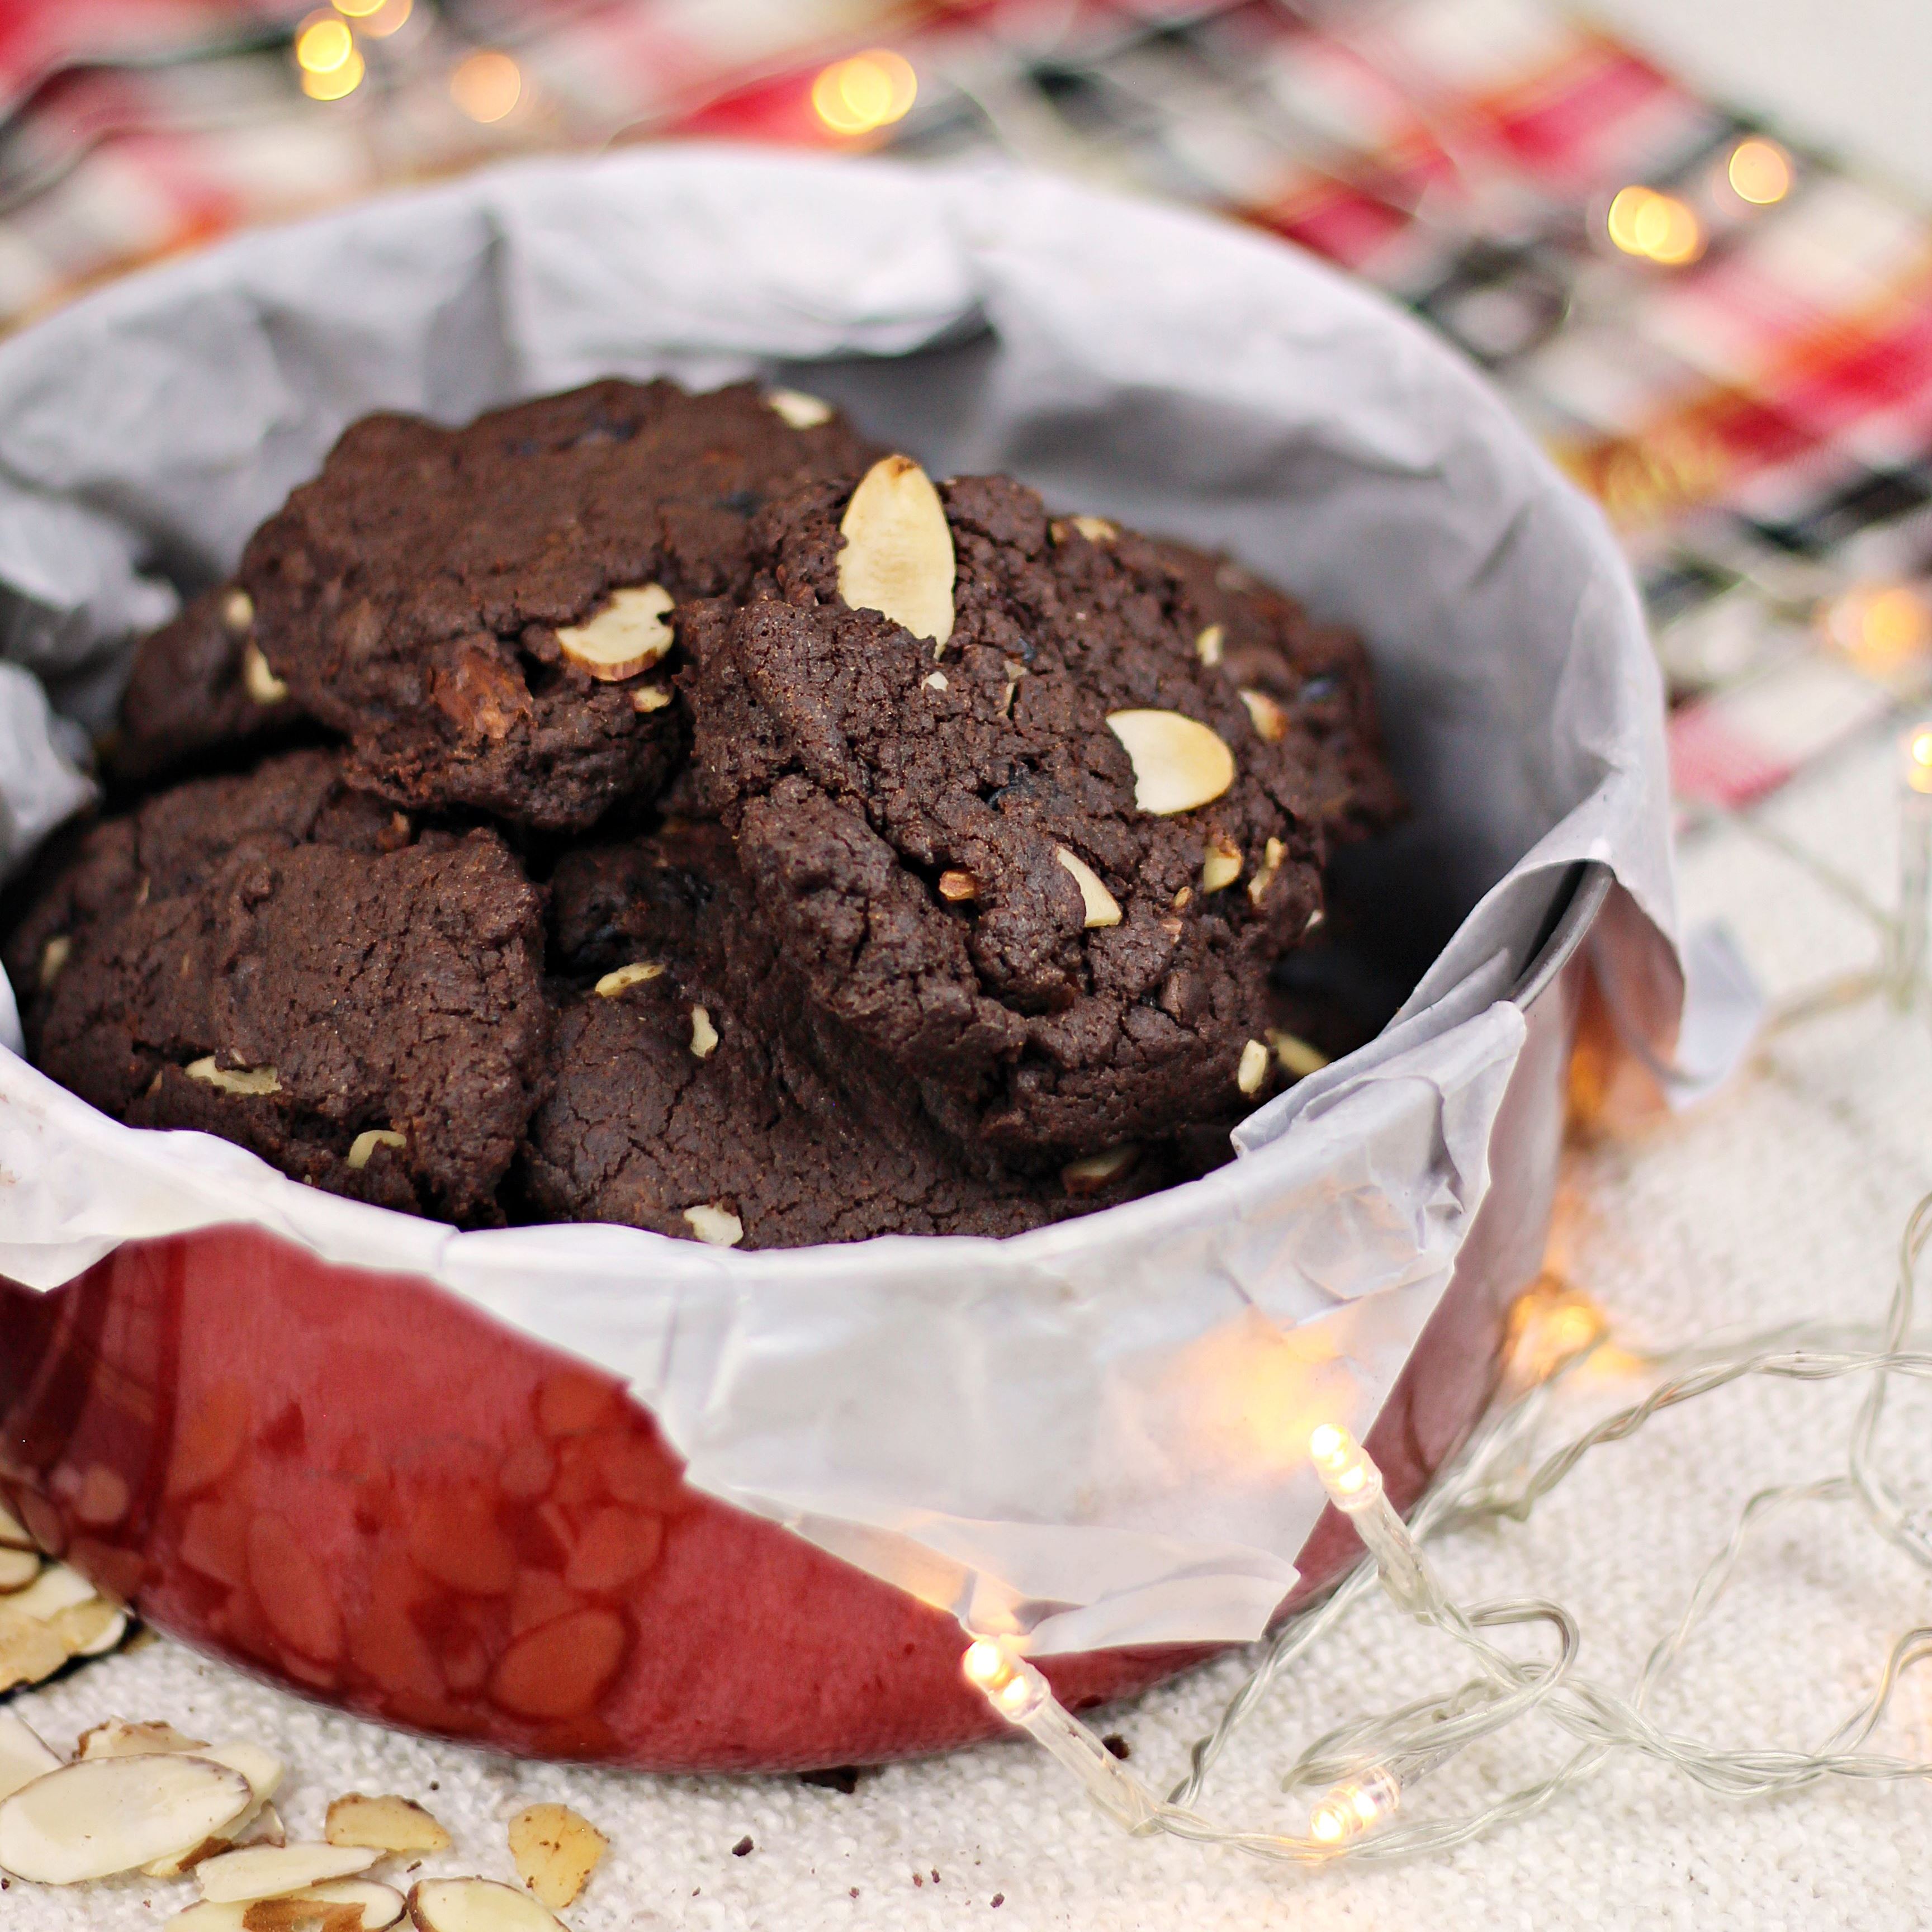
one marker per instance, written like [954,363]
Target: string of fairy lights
[1358,1778]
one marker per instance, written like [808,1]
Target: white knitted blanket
[1783,1197]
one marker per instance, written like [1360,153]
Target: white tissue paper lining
[1096,1433]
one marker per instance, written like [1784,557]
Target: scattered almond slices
[1094,1171]
[362,1148]
[897,559]
[704,1034]
[1220,863]
[1296,1056]
[12,1532]
[555,1851]
[638,973]
[717,1227]
[53,1618]
[1209,643]
[117,1738]
[1253,1069]
[628,635]
[388,1824]
[346,1905]
[261,1824]
[1179,763]
[98,1816]
[266,1871]
[23,1757]
[476,1905]
[1268,719]
[797,408]
[1102,908]
[18,1568]
[233,1079]
[261,682]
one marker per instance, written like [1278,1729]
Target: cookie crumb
[742,1848]
[1118,1745]
[999,1899]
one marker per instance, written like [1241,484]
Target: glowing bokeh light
[487,85]
[868,91]
[388,17]
[324,44]
[1759,172]
[335,83]
[1658,227]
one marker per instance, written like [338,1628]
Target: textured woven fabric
[1783,1197]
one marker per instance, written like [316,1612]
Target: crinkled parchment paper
[1094,1433]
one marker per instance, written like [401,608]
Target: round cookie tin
[359,1482]
[521,1565]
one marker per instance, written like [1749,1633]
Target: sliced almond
[30,1651]
[23,1757]
[936,681]
[555,1851]
[1097,529]
[798,409]
[238,610]
[650,697]
[18,1568]
[265,1871]
[12,1532]
[898,558]
[261,1769]
[628,635]
[233,1079]
[362,1148]
[1179,764]
[704,1034]
[381,1905]
[1273,853]
[1180,899]
[390,1824]
[260,1824]
[638,973]
[56,1589]
[292,1911]
[1102,908]
[117,1738]
[261,683]
[1253,1069]
[93,1818]
[54,956]
[1297,1056]
[1094,1171]
[1209,643]
[718,1226]
[476,1905]
[1268,719]
[956,886]
[1220,864]
[91,1629]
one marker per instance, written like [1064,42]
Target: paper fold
[1095,1433]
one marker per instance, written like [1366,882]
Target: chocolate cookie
[285,962]
[1317,678]
[199,688]
[694,1097]
[1025,845]
[478,609]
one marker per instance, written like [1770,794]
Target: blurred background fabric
[1688,240]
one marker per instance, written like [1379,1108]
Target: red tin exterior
[358,1487]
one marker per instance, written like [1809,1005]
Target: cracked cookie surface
[904,813]
[412,596]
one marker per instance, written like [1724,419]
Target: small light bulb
[987,1664]
[1351,1810]
[1347,1472]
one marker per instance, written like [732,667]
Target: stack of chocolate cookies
[673,810]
